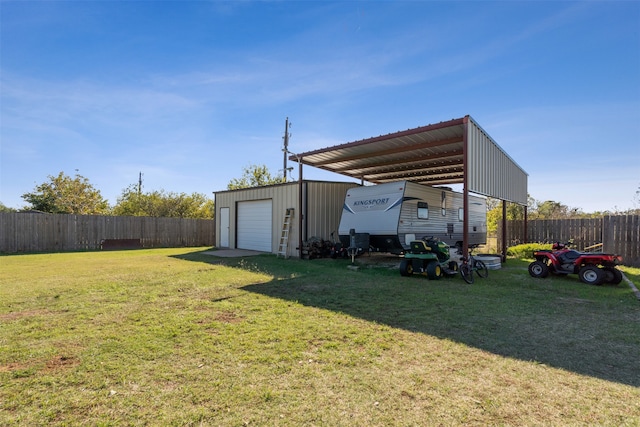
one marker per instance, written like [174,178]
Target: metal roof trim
[381,138]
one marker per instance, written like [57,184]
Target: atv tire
[406,267]
[612,275]
[538,269]
[591,275]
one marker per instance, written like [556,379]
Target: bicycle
[469,265]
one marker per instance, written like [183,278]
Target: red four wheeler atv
[592,268]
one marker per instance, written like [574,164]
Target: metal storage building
[252,218]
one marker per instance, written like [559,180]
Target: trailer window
[423,210]
[461,214]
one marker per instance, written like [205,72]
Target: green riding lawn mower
[429,257]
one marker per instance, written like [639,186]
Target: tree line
[63,194]
[548,209]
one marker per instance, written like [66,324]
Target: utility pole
[286,148]
[140,183]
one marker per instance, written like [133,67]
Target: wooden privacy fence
[40,232]
[619,234]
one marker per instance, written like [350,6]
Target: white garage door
[254,225]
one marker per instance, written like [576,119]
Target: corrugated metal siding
[323,206]
[490,171]
[283,196]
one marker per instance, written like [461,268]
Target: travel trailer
[393,214]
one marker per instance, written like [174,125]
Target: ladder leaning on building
[284,236]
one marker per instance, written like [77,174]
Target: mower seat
[420,247]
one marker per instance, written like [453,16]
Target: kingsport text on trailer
[395,214]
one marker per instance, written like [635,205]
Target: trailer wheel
[453,266]
[538,269]
[613,275]
[591,275]
[434,271]
[406,267]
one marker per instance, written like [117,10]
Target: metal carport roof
[457,151]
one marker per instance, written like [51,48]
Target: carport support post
[504,231]
[300,207]
[465,190]
[525,237]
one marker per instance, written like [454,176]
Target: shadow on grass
[557,322]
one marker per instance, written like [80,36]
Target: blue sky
[189,93]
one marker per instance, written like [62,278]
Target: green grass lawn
[178,337]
